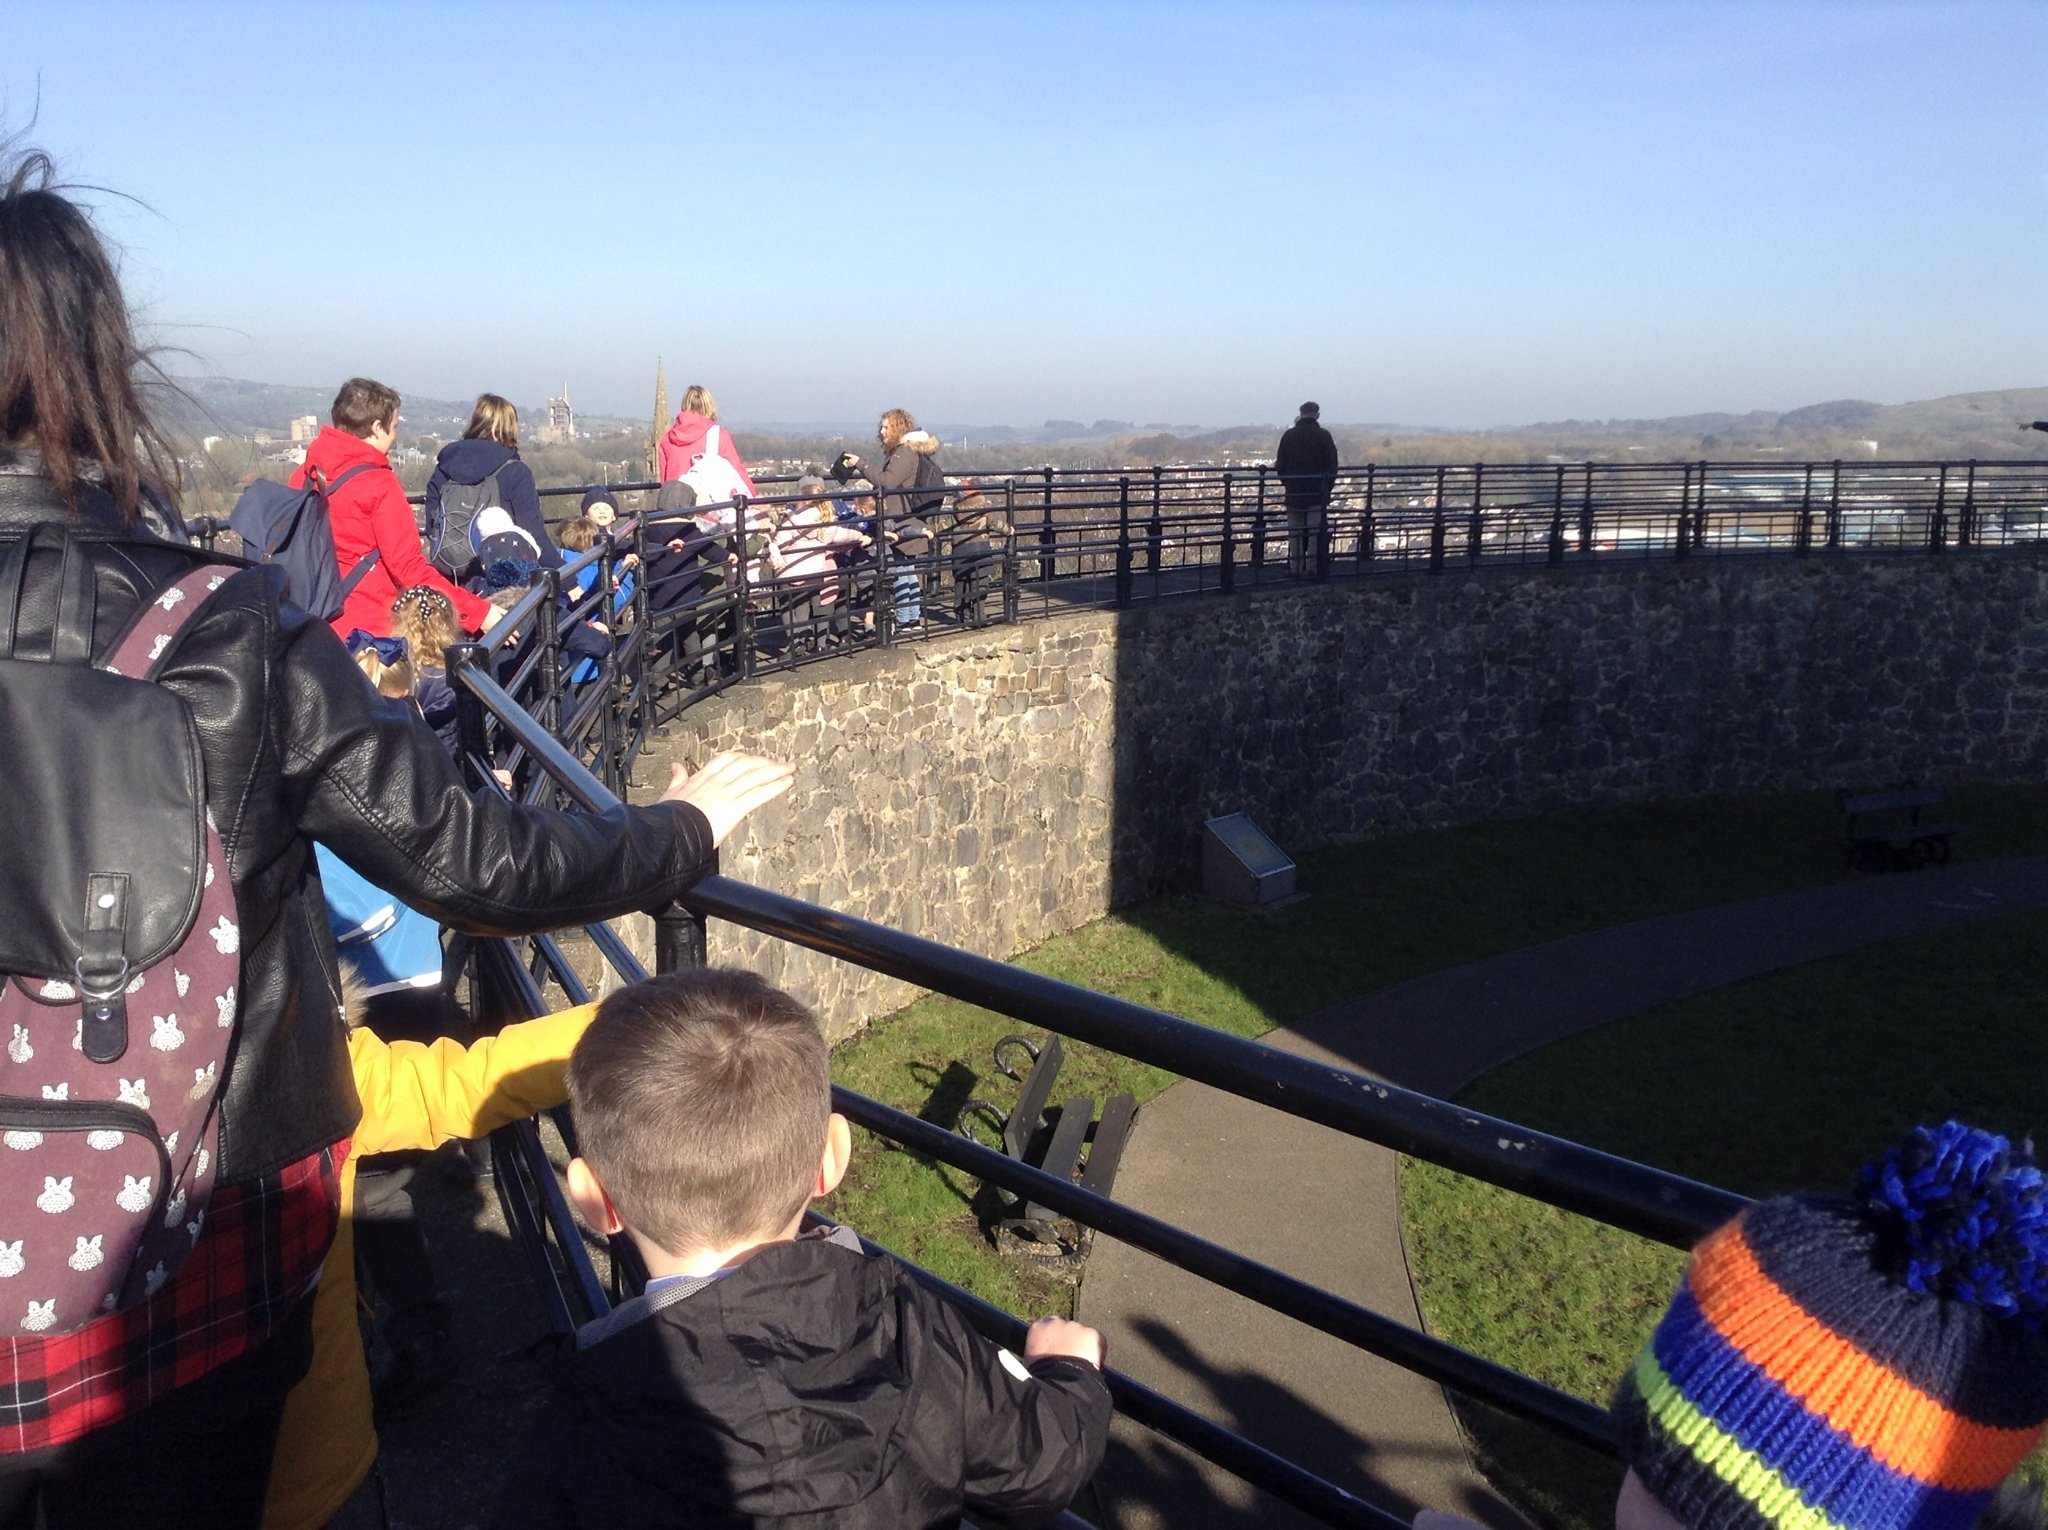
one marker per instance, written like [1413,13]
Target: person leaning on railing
[167,1411]
[908,456]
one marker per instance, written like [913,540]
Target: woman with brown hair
[908,487]
[166,1408]
[471,475]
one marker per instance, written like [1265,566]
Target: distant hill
[233,406]
[1960,426]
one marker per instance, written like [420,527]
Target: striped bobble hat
[1872,1363]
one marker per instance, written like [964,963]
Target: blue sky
[1458,214]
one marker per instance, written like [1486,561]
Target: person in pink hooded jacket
[684,443]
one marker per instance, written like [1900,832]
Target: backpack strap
[102,970]
[77,597]
[369,560]
[137,653]
[363,566]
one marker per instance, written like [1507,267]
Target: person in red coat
[370,512]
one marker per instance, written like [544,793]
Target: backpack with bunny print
[118,958]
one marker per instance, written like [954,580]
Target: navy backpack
[286,526]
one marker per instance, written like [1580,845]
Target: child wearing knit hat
[1871,1362]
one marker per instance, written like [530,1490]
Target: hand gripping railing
[1580,1179]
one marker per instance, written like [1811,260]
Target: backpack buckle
[102,968]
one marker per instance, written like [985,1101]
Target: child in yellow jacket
[413,1096]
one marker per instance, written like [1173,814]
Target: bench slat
[1893,802]
[1064,1151]
[1111,1132]
[1909,835]
[1022,1124]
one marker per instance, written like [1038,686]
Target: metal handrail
[1581,1179]
[1635,1197]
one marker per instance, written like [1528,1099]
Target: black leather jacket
[298,747]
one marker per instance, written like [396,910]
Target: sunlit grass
[1790,1081]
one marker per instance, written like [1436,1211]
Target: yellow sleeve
[418,1096]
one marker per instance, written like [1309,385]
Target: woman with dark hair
[481,470]
[166,1408]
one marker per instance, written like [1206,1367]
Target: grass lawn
[1377,914]
[1789,1081]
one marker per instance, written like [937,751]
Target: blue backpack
[286,526]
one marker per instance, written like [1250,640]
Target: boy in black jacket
[767,1378]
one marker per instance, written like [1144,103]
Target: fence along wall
[996,788]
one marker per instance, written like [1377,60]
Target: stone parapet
[995,788]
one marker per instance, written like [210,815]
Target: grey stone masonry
[995,788]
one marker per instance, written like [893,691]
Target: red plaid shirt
[258,1256]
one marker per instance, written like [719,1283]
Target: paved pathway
[1325,1206]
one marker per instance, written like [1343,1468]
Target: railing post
[1683,548]
[1699,515]
[1557,520]
[681,940]
[1156,530]
[1259,529]
[1475,531]
[1835,507]
[548,625]
[1966,525]
[1227,577]
[470,737]
[1586,511]
[885,579]
[654,664]
[1937,523]
[1123,542]
[608,672]
[1323,516]
[1047,540]
[1438,527]
[1366,533]
[1803,542]
[743,594]
[1010,550]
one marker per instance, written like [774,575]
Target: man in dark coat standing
[1307,465]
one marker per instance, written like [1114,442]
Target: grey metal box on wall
[1241,865]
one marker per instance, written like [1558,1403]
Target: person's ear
[838,1153]
[587,1195]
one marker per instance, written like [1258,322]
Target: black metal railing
[1628,1195]
[669,608]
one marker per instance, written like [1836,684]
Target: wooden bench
[1052,1139]
[1892,830]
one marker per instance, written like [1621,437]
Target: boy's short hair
[578,533]
[362,405]
[700,1101]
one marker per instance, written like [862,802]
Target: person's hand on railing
[492,617]
[1051,1336]
[729,788]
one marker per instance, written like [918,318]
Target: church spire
[660,421]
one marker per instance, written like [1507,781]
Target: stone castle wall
[992,789]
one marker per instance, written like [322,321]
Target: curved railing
[691,602]
[546,765]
